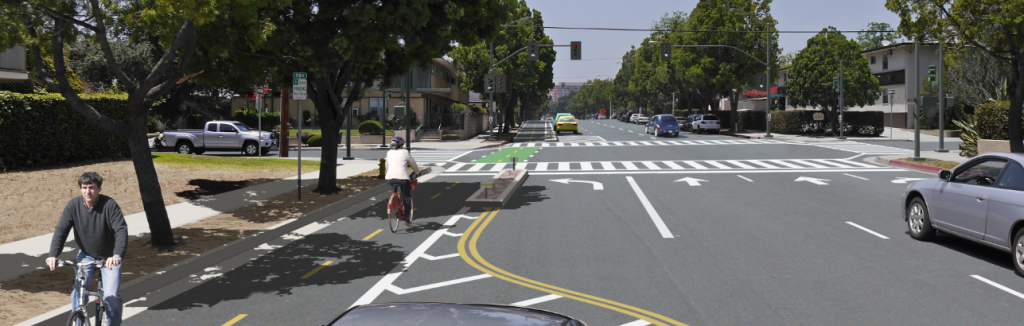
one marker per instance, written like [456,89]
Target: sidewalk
[898,134]
[27,255]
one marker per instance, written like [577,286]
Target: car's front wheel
[251,148]
[917,220]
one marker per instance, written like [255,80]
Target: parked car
[662,124]
[686,124]
[632,117]
[437,313]
[566,123]
[219,135]
[981,200]
[624,117]
[641,119]
[705,122]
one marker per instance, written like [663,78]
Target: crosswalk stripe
[542,166]
[651,165]
[607,166]
[476,167]
[585,166]
[833,163]
[672,165]
[457,166]
[766,165]
[805,162]
[859,164]
[718,165]
[563,166]
[498,167]
[741,165]
[784,163]
[629,166]
[695,165]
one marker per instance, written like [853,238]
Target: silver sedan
[981,200]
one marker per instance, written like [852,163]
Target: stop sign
[602,110]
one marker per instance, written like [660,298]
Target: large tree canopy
[873,36]
[345,46]
[815,66]
[992,26]
[528,81]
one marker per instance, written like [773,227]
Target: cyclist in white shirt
[397,175]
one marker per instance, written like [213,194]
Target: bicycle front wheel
[77,318]
[101,315]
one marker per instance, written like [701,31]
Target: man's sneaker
[407,223]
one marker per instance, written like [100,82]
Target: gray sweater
[100,233]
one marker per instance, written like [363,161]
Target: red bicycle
[396,207]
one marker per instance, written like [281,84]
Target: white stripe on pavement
[662,228]
[999,286]
[867,230]
[546,298]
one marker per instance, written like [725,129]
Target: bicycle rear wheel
[393,208]
[77,318]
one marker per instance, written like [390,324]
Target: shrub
[306,136]
[451,137]
[969,135]
[249,116]
[40,130]
[371,127]
[993,120]
[314,141]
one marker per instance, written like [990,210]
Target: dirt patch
[41,291]
[32,201]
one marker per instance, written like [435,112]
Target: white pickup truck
[220,136]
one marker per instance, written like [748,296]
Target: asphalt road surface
[794,234]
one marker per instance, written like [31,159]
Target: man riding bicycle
[397,175]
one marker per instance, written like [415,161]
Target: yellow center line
[473,258]
[372,234]
[234,320]
[454,184]
[318,268]
[435,196]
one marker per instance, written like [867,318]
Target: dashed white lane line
[546,298]
[638,322]
[999,286]
[662,228]
[853,176]
[744,178]
[867,230]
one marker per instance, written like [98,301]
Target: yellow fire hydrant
[381,170]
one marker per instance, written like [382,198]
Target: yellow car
[566,123]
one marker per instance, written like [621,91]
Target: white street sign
[820,182]
[597,185]
[905,180]
[692,181]
[299,88]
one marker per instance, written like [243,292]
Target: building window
[885,96]
[376,106]
[872,59]
[885,62]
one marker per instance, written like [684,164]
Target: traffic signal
[489,83]
[761,81]
[931,75]
[532,51]
[666,51]
[500,82]
[574,50]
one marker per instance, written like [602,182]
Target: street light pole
[841,106]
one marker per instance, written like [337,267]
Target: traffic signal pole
[841,107]
[942,108]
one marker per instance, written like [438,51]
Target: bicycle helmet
[397,142]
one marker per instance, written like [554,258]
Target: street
[753,232]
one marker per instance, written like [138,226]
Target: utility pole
[768,82]
[490,97]
[841,106]
[917,103]
[942,108]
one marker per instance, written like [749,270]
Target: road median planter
[921,167]
[502,186]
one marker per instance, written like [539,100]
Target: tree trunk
[149,186]
[1016,89]
[329,126]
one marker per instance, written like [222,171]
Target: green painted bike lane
[505,155]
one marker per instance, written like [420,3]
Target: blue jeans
[406,188]
[111,285]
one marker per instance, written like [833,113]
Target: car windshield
[242,126]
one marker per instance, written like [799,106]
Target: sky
[601,49]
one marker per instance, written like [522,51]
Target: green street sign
[299,75]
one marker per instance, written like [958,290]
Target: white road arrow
[597,185]
[692,181]
[813,180]
[905,180]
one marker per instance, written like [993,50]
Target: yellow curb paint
[318,268]
[375,233]
[234,320]
[435,196]
[468,252]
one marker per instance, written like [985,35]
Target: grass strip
[205,162]
[291,132]
[932,162]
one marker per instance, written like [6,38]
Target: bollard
[381,170]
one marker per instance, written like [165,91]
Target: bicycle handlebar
[63,263]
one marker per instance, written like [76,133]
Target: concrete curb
[915,166]
[503,197]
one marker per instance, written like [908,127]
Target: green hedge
[314,141]
[862,123]
[371,127]
[250,117]
[43,130]
[993,120]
